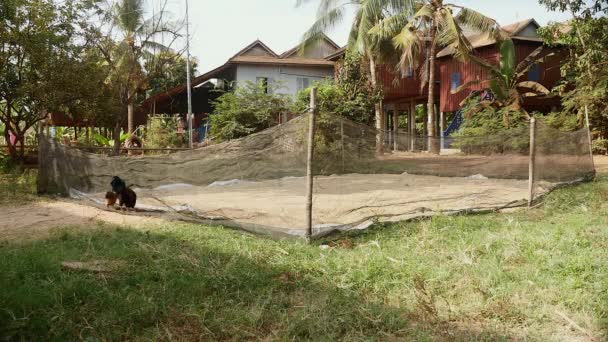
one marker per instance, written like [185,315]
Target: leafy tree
[166,71]
[578,8]
[139,40]
[367,14]
[351,95]
[41,56]
[249,109]
[504,81]
[434,26]
[585,86]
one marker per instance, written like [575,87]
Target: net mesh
[259,182]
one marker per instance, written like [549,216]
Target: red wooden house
[403,93]
[454,73]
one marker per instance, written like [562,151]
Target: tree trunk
[131,124]
[116,137]
[432,132]
[21,141]
[12,151]
[377,108]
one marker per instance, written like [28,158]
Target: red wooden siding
[469,71]
[396,87]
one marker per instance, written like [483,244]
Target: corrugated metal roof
[483,39]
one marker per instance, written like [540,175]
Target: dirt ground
[350,199]
[277,207]
[39,219]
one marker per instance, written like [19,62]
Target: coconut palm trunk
[434,146]
[130,116]
[377,107]
[436,21]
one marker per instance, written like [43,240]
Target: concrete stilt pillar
[395,130]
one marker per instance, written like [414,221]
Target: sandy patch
[38,220]
[339,202]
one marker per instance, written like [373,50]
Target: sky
[221,28]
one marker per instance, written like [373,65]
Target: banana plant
[504,81]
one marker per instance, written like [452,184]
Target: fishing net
[259,182]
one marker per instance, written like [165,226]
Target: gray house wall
[285,77]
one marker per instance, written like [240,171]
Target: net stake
[309,175]
[532,161]
[342,140]
[589,137]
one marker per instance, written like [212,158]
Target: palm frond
[129,14]
[476,21]
[423,73]
[465,86]
[355,43]
[152,45]
[530,61]
[507,57]
[482,63]
[409,41]
[391,26]
[324,22]
[535,86]
[425,12]
[450,34]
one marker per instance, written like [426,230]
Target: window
[455,81]
[534,73]
[263,81]
[303,83]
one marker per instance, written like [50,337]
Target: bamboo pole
[589,137]
[442,129]
[532,165]
[309,175]
[342,140]
[413,126]
[188,80]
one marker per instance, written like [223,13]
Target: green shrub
[163,134]
[600,146]
[249,109]
[561,121]
[350,96]
[487,132]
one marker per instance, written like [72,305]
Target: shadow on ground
[174,285]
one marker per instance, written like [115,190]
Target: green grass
[17,187]
[485,277]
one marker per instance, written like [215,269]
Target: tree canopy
[42,53]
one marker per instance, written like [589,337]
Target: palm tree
[138,42]
[434,26]
[504,81]
[368,13]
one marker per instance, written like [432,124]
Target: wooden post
[342,140]
[413,126]
[426,128]
[389,131]
[311,150]
[531,167]
[441,129]
[589,137]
